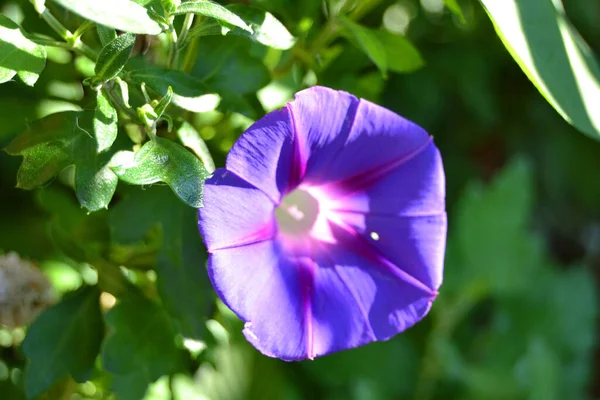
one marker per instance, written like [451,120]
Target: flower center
[297,213]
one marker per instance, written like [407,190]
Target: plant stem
[172,35]
[56,25]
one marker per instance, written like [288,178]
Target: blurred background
[517,314]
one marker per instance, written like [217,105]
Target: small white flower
[24,291]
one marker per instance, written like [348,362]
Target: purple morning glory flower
[327,228]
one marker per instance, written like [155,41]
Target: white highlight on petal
[375,236]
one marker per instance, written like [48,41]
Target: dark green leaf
[105,34]
[114,56]
[554,57]
[182,280]
[57,141]
[140,346]
[224,64]
[401,54]
[162,160]
[188,92]
[124,15]
[64,340]
[105,121]
[19,55]
[369,42]
[211,9]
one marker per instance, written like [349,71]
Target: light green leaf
[189,136]
[367,40]
[211,9]
[266,29]
[162,105]
[19,55]
[124,15]
[401,54]
[492,231]
[57,141]
[114,56]
[64,340]
[140,347]
[553,55]
[105,121]
[188,92]
[453,6]
[162,160]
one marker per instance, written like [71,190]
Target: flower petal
[419,252]
[342,137]
[264,289]
[264,154]
[357,300]
[235,213]
[417,187]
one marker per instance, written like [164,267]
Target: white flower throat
[297,213]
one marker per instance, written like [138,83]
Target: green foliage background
[517,314]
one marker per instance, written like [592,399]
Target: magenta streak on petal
[299,160]
[267,232]
[307,276]
[360,306]
[360,245]
[386,214]
[365,179]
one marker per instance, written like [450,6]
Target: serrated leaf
[57,141]
[64,340]
[492,230]
[140,347]
[114,56]
[211,9]
[554,57]
[266,29]
[105,34]
[368,42]
[401,54]
[105,121]
[19,55]
[162,160]
[124,15]
[188,92]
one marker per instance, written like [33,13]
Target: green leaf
[105,34]
[188,92]
[401,54]
[189,136]
[105,121]
[114,56]
[367,41]
[162,105]
[57,141]
[453,6]
[266,29]
[64,340]
[225,65]
[492,233]
[162,160]
[124,15]
[553,56]
[19,55]
[140,346]
[211,9]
